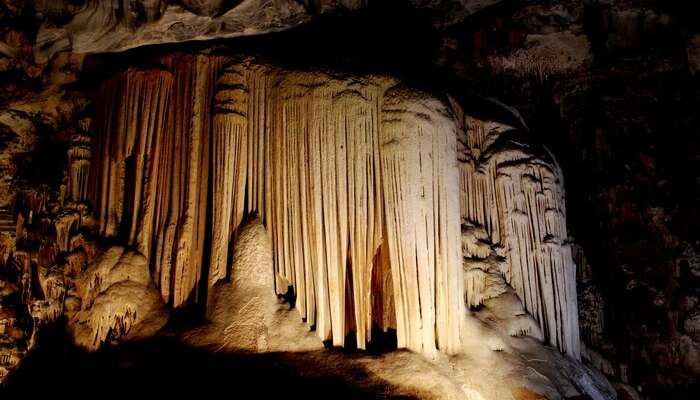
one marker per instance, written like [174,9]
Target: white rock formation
[515,194]
[167,174]
[361,184]
[306,150]
[79,155]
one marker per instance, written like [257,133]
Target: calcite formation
[79,156]
[245,315]
[325,211]
[306,152]
[156,183]
[118,301]
[514,194]
[360,182]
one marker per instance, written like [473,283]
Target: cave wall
[612,88]
[618,77]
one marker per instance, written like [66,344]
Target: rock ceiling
[115,25]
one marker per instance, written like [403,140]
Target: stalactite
[308,164]
[150,181]
[304,150]
[130,128]
[178,250]
[419,173]
[516,195]
[357,183]
[79,155]
[542,268]
[230,153]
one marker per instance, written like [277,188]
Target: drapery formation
[333,164]
[355,184]
[516,194]
[150,178]
[360,183]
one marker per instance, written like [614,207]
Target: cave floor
[168,365]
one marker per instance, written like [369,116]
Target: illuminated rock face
[512,199]
[118,301]
[338,165]
[360,182]
[151,181]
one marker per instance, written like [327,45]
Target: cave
[423,199]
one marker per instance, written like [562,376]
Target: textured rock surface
[512,203]
[246,314]
[355,179]
[118,301]
[619,78]
[112,25]
[326,232]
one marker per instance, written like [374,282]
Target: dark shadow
[165,366]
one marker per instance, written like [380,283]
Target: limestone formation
[246,314]
[114,25]
[693,51]
[118,301]
[318,162]
[355,178]
[154,183]
[79,156]
[544,55]
[306,151]
[514,194]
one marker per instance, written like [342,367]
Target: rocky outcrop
[115,25]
